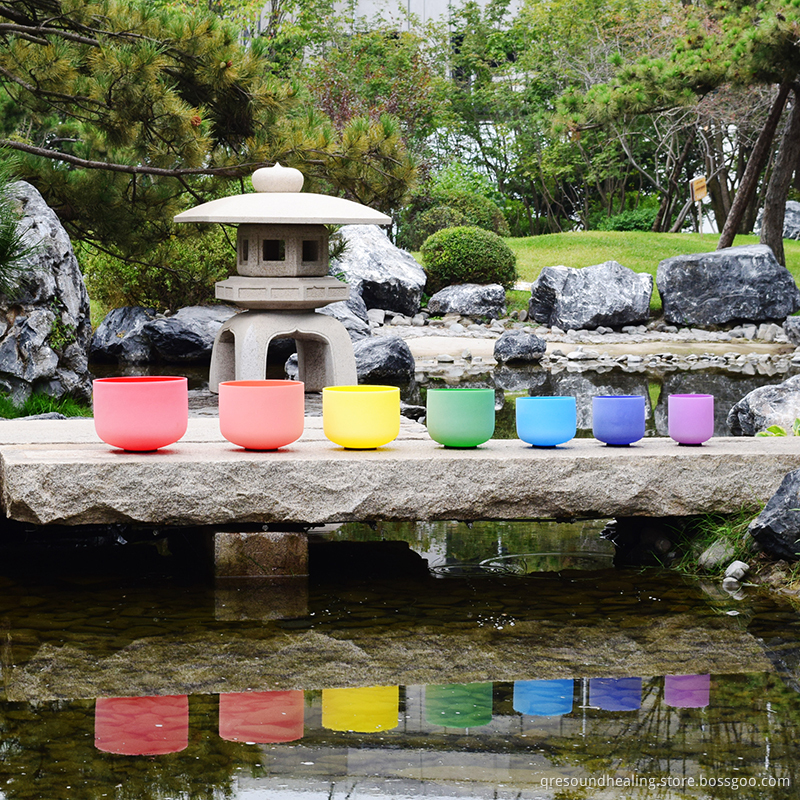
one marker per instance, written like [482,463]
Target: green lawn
[639,251]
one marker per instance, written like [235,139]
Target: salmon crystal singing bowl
[261,415]
[361,417]
[141,412]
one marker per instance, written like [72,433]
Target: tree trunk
[755,167]
[662,219]
[779,183]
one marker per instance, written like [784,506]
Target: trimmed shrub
[467,254]
[637,219]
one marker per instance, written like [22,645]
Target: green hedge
[181,273]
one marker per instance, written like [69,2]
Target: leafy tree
[122,113]
[375,71]
[454,197]
[735,44]
[508,76]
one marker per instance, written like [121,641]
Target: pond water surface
[520,664]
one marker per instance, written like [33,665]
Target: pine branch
[132,169]
[39,92]
[32,33]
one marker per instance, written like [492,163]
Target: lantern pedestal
[324,350]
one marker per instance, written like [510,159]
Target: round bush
[467,255]
[436,219]
[479,210]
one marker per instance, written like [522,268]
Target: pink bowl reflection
[261,717]
[141,726]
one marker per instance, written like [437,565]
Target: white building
[423,10]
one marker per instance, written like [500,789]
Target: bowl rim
[140,379]
[266,383]
[361,389]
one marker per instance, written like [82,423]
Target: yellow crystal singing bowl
[361,417]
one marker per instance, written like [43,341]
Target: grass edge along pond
[637,250]
[43,404]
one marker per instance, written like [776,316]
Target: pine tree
[731,42]
[123,113]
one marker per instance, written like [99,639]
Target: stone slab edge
[314,481]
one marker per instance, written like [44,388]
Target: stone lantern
[282,266]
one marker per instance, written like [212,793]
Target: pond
[519,664]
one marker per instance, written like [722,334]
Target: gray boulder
[383,358]
[605,294]
[187,336]
[384,275]
[791,220]
[777,527]
[791,327]
[766,406]
[45,330]
[470,300]
[120,336]
[352,313]
[743,283]
[519,346]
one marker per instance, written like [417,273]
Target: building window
[310,249]
[274,250]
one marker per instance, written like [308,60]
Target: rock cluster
[791,220]
[766,406]
[471,300]
[777,527]
[132,335]
[45,331]
[383,275]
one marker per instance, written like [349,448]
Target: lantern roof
[279,201]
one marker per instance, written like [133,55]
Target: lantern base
[324,350]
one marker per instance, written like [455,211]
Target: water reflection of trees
[750,728]
[48,752]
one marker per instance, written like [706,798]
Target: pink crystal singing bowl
[142,412]
[690,418]
[261,415]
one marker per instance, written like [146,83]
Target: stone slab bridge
[57,472]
